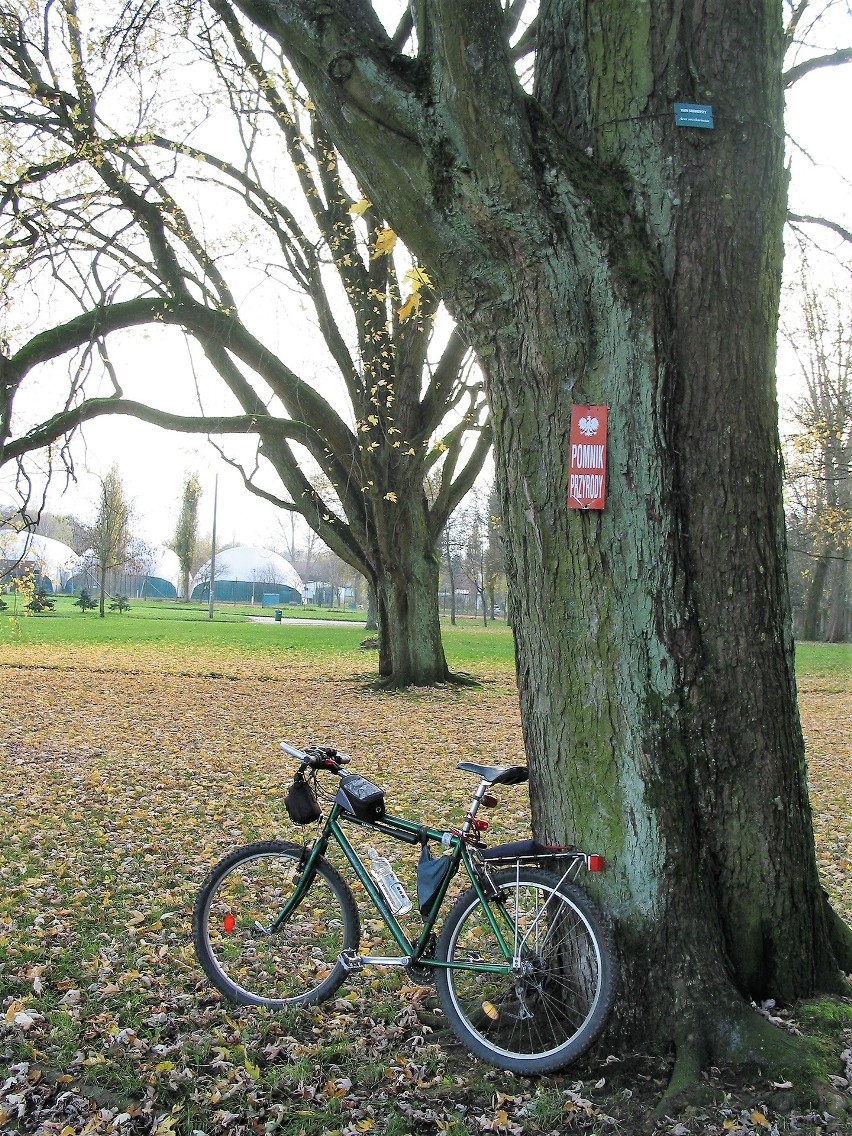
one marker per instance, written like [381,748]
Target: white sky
[153,463]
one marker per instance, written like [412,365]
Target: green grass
[469,645]
[824,660]
[182,627]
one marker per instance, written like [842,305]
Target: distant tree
[40,602]
[296,540]
[819,462]
[453,541]
[111,530]
[85,602]
[120,604]
[495,556]
[475,551]
[185,541]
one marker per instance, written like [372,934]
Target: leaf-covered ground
[127,773]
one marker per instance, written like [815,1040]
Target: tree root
[390,684]
[840,937]
[737,1036]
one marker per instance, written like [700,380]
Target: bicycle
[524,964]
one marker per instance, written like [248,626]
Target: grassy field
[180,625]
[137,749]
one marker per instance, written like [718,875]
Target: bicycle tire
[546,1012]
[296,965]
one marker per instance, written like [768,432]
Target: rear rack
[534,852]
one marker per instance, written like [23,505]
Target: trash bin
[278,615]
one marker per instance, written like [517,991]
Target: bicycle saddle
[503,775]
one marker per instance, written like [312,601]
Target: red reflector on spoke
[229,923]
[595,863]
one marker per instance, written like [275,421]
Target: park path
[307,622]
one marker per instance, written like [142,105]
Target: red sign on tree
[587,468]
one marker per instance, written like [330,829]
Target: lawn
[136,750]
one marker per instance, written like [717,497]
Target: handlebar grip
[293,752]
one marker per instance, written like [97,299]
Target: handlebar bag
[359,796]
[300,802]
[431,871]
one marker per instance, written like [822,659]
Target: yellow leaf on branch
[417,278]
[410,307]
[384,243]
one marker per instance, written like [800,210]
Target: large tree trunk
[406,569]
[654,648]
[596,253]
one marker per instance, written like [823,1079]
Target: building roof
[249,563]
[52,558]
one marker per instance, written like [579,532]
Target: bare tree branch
[808,66]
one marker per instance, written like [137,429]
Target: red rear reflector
[229,923]
[480,825]
[595,863]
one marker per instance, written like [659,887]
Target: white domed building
[247,574]
[156,576]
[152,573]
[50,560]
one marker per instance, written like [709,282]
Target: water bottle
[391,888]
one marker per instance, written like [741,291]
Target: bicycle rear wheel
[540,1009]
[248,961]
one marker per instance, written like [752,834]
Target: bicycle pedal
[350,960]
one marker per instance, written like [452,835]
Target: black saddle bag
[300,802]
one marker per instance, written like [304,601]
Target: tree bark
[595,253]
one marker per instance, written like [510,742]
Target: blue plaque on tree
[694,114]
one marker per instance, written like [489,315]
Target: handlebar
[318,757]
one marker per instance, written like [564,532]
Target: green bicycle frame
[409,833]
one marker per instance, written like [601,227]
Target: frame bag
[359,796]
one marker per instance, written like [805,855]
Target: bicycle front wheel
[542,1007]
[246,955]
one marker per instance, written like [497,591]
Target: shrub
[41,601]
[85,602]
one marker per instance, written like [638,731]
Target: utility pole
[213,553]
